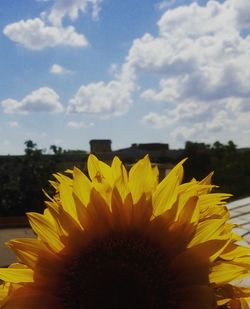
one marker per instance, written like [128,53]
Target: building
[100,145]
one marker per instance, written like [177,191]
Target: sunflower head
[119,239]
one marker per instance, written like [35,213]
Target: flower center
[120,271]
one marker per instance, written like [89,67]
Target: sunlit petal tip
[68,171]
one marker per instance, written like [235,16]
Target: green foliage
[231,166]
[22,178]
[56,150]
[9,186]
[75,151]
[198,163]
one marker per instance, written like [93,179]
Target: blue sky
[144,71]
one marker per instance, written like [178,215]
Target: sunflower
[123,240]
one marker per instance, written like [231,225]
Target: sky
[130,71]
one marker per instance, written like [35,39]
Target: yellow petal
[120,177]
[67,199]
[45,230]
[4,291]
[28,250]
[156,175]
[81,186]
[16,275]
[190,211]
[119,170]
[225,272]
[165,195]
[122,213]
[98,170]
[141,179]
[166,192]
[62,178]
[233,251]
[208,230]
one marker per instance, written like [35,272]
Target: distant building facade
[151,146]
[158,152]
[100,145]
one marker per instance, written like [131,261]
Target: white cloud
[105,99]
[155,120]
[165,4]
[41,100]
[102,99]
[242,10]
[220,125]
[71,9]
[182,133]
[47,30]
[79,125]
[59,70]
[219,121]
[202,62]
[199,46]
[13,124]
[35,34]
[113,70]
[169,91]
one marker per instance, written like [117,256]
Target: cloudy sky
[131,71]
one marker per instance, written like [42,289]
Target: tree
[198,163]
[31,148]
[56,150]
[33,177]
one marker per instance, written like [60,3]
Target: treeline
[22,178]
[231,166]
